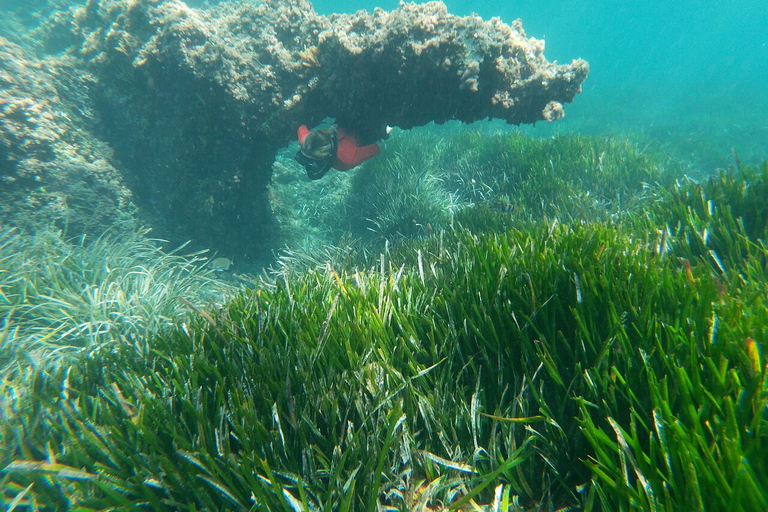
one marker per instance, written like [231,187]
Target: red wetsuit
[349,153]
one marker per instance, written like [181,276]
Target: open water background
[691,75]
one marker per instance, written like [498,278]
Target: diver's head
[319,144]
[318,152]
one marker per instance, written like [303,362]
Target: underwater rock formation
[51,171]
[196,103]
[283,64]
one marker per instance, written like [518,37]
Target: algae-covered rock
[284,64]
[51,170]
[195,103]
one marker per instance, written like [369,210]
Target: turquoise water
[691,75]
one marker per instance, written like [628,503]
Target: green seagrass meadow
[520,324]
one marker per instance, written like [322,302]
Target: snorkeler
[323,148]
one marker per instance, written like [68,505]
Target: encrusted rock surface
[195,103]
[51,170]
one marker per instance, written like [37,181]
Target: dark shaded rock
[195,103]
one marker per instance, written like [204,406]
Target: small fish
[220,264]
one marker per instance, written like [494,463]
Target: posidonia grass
[61,298]
[522,366]
[423,179]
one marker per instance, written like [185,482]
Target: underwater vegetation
[566,177]
[424,178]
[61,300]
[507,359]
